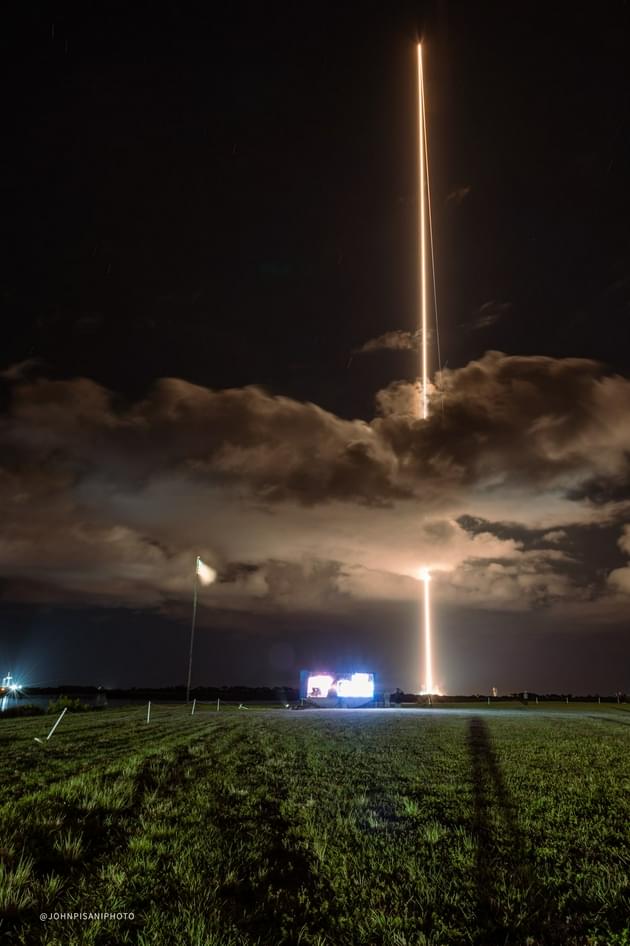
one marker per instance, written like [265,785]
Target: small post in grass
[63,713]
[218,702]
[149,713]
[488,701]
[192,712]
[567,700]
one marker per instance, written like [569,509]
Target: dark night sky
[228,197]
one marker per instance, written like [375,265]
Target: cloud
[457,196]
[277,448]
[513,419]
[20,369]
[532,580]
[619,578]
[296,508]
[397,340]
[555,536]
[624,541]
[398,400]
[488,314]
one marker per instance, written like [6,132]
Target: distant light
[8,691]
[319,685]
[359,684]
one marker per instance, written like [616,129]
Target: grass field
[508,826]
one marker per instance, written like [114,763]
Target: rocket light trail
[423,249]
[428,657]
[423,187]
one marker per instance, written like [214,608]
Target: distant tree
[23,709]
[66,702]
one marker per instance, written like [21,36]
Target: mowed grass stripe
[83,738]
[340,828]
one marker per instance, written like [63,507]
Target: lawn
[318,827]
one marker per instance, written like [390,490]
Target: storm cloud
[296,508]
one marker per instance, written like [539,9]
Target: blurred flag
[206,574]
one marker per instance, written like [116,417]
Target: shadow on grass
[502,851]
[294,895]
[609,719]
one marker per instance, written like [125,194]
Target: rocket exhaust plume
[424,202]
[424,404]
[428,656]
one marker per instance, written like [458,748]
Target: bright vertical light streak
[424,401]
[423,241]
[428,654]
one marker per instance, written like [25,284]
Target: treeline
[240,694]
[524,696]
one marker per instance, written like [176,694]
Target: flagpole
[192,629]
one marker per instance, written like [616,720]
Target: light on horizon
[8,691]
[353,685]
[429,687]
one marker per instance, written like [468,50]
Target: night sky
[209,295]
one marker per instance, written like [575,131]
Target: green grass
[305,829]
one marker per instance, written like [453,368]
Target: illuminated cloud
[294,508]
[489,314]
[619,578]
[398,340]
[624,541]
[20,369]
[555,536]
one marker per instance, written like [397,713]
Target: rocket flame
[424,403]
[429,688]
[423,187]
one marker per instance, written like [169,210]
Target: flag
[206,574]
